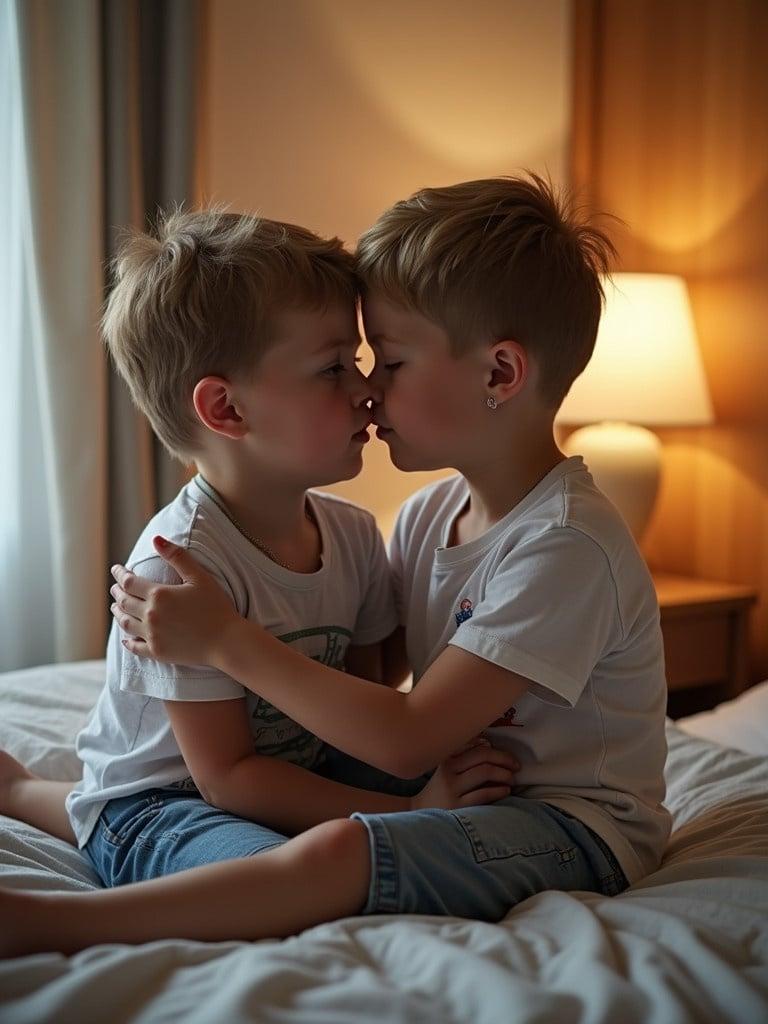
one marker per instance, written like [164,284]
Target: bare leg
[321,875]
[38,802]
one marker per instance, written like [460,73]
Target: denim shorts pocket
[607,870]
[120,826]
[485,848]
[613,881]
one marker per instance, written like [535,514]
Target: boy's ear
[508,369]
[215,406]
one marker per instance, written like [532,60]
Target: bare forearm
[290,799]
[370,722]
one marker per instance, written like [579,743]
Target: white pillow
[741,723]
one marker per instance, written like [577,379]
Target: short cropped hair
[499,258]
[196,297]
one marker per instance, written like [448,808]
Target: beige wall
[323,112]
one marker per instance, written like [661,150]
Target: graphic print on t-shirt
[277,735]
[464,612]
[506,720]
[326,644]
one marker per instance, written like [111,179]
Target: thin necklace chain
[217,499]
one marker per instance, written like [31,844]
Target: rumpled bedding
[689,943]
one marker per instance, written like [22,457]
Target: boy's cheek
[328,430]
[425,414]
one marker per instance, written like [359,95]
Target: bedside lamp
[646,371]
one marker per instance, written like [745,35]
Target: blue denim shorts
[161,831]
[479,862]
[476,862]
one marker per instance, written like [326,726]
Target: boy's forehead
[379,312]
[317,329]
[386,321]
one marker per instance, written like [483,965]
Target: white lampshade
[646,367]
[646,370]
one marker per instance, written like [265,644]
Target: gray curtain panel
[107,93]
[150,74]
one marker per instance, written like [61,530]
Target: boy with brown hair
[527,609]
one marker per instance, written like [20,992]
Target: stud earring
[491,402]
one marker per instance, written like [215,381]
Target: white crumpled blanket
[688,943]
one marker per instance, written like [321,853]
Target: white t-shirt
[128,744]
[558,592]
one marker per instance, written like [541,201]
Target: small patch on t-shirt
[464,612]
[507,719]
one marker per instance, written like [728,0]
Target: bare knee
[331,866]
[341,841]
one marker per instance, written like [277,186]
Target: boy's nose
[367,389]
[374,384]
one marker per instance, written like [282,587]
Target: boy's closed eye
[390,364]
[337,368]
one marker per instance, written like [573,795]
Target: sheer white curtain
[25,594]
[52,378]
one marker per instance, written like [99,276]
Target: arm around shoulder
[405,734]
[458,697]
[395,665]
[216,743]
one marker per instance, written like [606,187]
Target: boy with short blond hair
[238,336]
[528,610]
[498,258]
[197,298]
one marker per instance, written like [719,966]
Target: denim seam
[263,849]
[383,892]
[614,881]
[146,843]
[565,854]
[111,837]
[155,804]
[611,885]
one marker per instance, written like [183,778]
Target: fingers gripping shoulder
[158,570]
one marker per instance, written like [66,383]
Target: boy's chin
[349,472]
[413,462]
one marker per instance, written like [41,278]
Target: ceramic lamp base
[625,462]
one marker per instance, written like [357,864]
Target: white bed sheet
[741,723]
[688,943]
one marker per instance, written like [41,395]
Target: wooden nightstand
[705,627]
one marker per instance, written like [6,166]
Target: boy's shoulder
[585,509]
[177,521]
[420,521]
[193,522]
[566,502]
[435,495]
[572,519]
[584,534]
[342,511]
